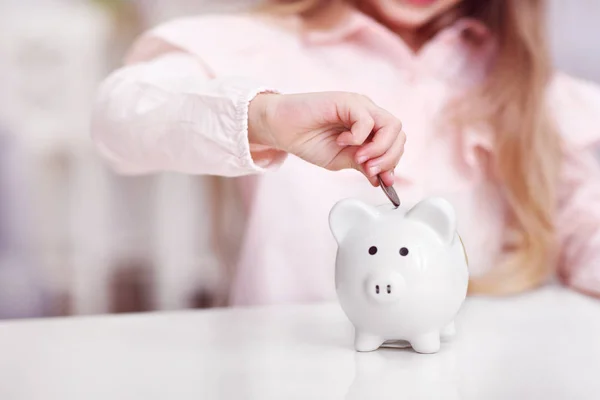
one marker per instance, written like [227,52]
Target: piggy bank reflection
[388,375]
[401,274]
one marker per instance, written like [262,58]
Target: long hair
[511,103]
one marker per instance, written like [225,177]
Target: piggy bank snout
[384,286]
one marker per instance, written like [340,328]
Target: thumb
[346,159]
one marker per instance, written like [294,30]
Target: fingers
[388,128]
[377,134]
[387,177]
[372,179]
[387,161]
[359,131]
[358,113]
[346,160]
[384,151]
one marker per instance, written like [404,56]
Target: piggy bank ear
[438,214]
[347,214]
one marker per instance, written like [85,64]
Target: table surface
[543,345]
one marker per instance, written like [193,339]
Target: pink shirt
[181,104]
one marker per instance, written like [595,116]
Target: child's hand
[333,130]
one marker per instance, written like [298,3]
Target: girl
[277,99]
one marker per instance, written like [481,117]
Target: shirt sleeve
[169,114]
[578,220]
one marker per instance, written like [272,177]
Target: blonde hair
[527,149]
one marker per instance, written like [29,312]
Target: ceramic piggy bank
[401,275]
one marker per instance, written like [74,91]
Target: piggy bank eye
[404,252]
[372,250]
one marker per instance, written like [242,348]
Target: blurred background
[75,239]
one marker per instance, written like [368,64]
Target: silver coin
[389,192]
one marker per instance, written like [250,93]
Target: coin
[389,192]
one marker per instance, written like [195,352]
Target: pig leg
[366,342]
[448,332]
[427,343]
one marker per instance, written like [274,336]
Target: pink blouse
[181,104]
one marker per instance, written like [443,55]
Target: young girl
[279,100]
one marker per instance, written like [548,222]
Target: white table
[544,345]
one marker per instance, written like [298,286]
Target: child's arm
[166,114]
[169,114]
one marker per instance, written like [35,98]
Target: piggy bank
[401,274]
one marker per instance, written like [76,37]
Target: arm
[169,114]
[578,221]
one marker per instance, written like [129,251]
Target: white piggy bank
[400,274]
